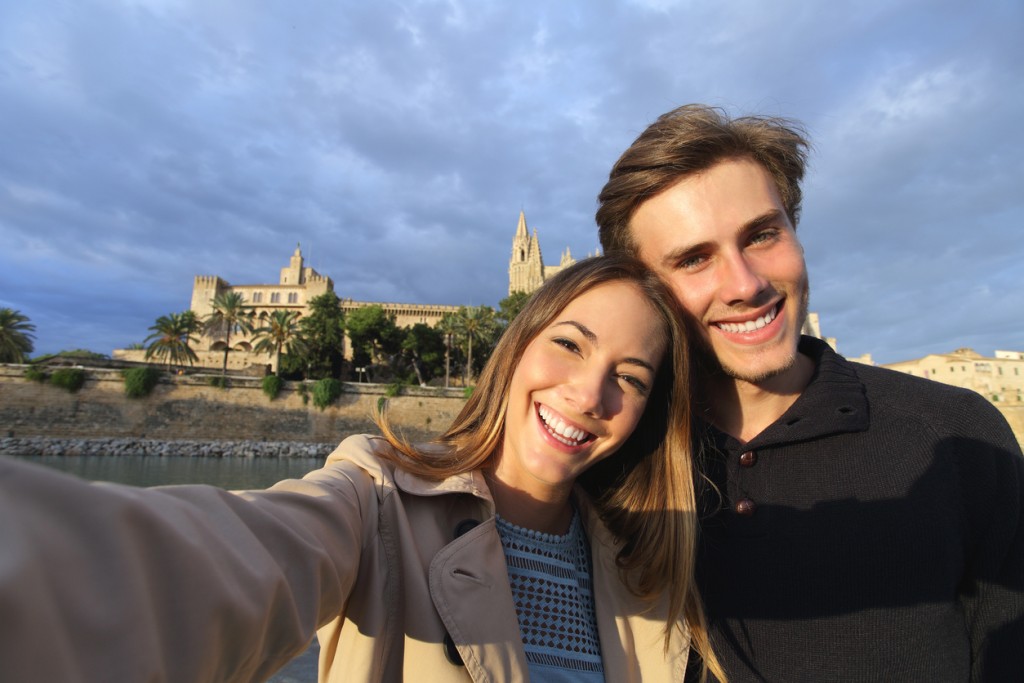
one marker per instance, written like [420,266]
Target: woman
[476,558]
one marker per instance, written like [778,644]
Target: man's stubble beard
[712,362]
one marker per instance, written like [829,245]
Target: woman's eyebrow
[584,330]
[592,338]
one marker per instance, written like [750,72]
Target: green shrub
[393,389]
[303,390]
[35,374]
[325,392]
[71,379]
[218,381]
[139,382]
[271,386]
[467,392]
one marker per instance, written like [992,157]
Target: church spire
[521,230]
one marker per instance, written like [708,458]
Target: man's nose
[741,282]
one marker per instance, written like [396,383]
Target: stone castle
[299,283]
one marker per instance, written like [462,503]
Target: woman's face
[580,388]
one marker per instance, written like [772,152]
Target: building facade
[297,285]
[1000,379]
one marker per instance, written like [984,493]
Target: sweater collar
[834,402]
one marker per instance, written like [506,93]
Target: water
[229,473]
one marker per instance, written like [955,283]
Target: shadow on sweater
[915,569]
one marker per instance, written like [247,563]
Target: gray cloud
[150,141]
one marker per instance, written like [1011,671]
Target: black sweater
[874,532]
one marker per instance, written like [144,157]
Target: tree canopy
[171,340]
[375,337]
[510,306]
[230,314]
[16,338]
[323,332]
[280,330]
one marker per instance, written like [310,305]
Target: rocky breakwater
[37,445]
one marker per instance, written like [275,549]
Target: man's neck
[745,409]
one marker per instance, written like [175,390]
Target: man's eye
[769,235]
[691,262]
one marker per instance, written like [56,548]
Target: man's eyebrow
[767,218]
[756,223]
[592,338]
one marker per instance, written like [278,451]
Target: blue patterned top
[550,577]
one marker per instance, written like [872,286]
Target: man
[863,524]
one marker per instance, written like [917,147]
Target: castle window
[293,298]
[257,297]
[275,297]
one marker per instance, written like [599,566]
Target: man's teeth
[564,433]
[750,325]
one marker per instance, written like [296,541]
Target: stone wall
[187,407]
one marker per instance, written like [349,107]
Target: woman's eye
[567,343]
[636,382]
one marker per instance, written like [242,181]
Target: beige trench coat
[191,583]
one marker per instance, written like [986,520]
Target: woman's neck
[550,516]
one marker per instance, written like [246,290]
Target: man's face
[723,242]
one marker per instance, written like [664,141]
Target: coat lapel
[631,629]
[469,585]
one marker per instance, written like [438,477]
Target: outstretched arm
[100,582]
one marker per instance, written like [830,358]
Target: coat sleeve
[992,594]
[101,582]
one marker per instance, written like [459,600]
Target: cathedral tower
[526,269]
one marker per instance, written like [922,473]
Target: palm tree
[170,339]
[192,326]
[15,336]
[280,331]
[230,314]
[474,322]
[448,326]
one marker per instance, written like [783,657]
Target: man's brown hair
[686,141]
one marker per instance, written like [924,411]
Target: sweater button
[745,507]
[748,459]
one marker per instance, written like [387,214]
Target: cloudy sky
[148,141]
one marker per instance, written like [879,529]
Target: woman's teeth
[557,427]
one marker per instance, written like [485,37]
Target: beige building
[296,286]
[999,379]
[526,269]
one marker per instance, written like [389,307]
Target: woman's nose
[586,392]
